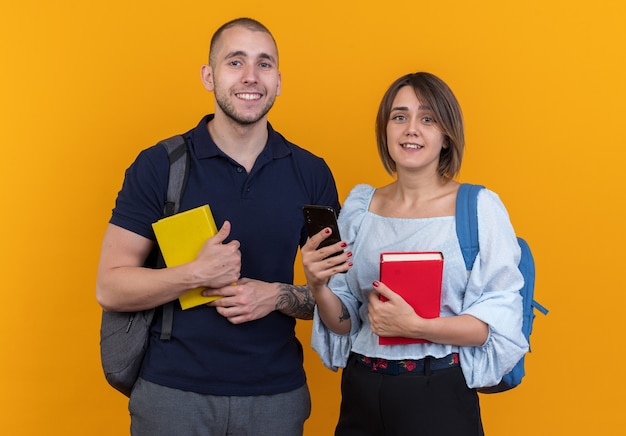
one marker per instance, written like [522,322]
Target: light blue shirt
[491,293]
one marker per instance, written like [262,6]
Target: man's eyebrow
[237,53]
[234,54]
[267,56]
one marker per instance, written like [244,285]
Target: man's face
[245,78]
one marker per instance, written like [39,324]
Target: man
[233,366]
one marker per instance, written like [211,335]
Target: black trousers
[432,403]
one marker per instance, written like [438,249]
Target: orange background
[86,85]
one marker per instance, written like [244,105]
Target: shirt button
[239,170]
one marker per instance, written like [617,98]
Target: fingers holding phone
[319,218]
[326,245]
[323,255]
[320,264]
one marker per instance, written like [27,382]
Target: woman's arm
[395,317]
[319,267]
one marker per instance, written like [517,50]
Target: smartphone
[318,217]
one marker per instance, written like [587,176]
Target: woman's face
[414,139]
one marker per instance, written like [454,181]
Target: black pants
[433,403]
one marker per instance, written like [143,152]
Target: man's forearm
[296,301]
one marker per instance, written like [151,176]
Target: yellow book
[180,237]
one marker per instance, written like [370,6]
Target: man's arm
[296,301]
[250,299]
[123,284]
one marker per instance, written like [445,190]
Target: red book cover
[416,277]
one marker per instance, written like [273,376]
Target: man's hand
[218,264]
[245,300]
[249,299]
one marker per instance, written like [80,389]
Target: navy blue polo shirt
[207,354]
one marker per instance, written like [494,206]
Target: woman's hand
[320,265]
[393,317]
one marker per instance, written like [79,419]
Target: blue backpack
[467,232]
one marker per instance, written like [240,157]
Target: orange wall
[85,85]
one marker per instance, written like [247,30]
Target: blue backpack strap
[467,222]
[539,307]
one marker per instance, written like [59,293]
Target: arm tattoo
[295,301]
[345,315]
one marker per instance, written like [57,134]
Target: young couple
[234,366]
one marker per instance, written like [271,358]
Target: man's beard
[230,111]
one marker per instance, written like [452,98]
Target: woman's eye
[398,117]
[428,120]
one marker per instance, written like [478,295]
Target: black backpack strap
[167,321]
[178,155]
[179,172]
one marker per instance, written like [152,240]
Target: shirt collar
[275,148]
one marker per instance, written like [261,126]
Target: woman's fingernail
[349,253]
[375,283]
[344,245]
[327,231]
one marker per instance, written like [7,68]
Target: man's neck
[243,143]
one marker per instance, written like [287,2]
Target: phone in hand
[318,217]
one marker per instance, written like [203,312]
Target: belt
[394,367]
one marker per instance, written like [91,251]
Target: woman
[421,388]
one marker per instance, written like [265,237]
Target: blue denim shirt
[491,293]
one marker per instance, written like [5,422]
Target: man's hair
[248,23]
[432,91]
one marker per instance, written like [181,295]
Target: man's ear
[206,74]
[280,84]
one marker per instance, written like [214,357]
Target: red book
[416,277]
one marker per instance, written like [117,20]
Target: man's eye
[235,63]
[265,65]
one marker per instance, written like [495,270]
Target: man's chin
[243,117]
[247,119]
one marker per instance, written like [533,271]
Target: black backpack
[124,336]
